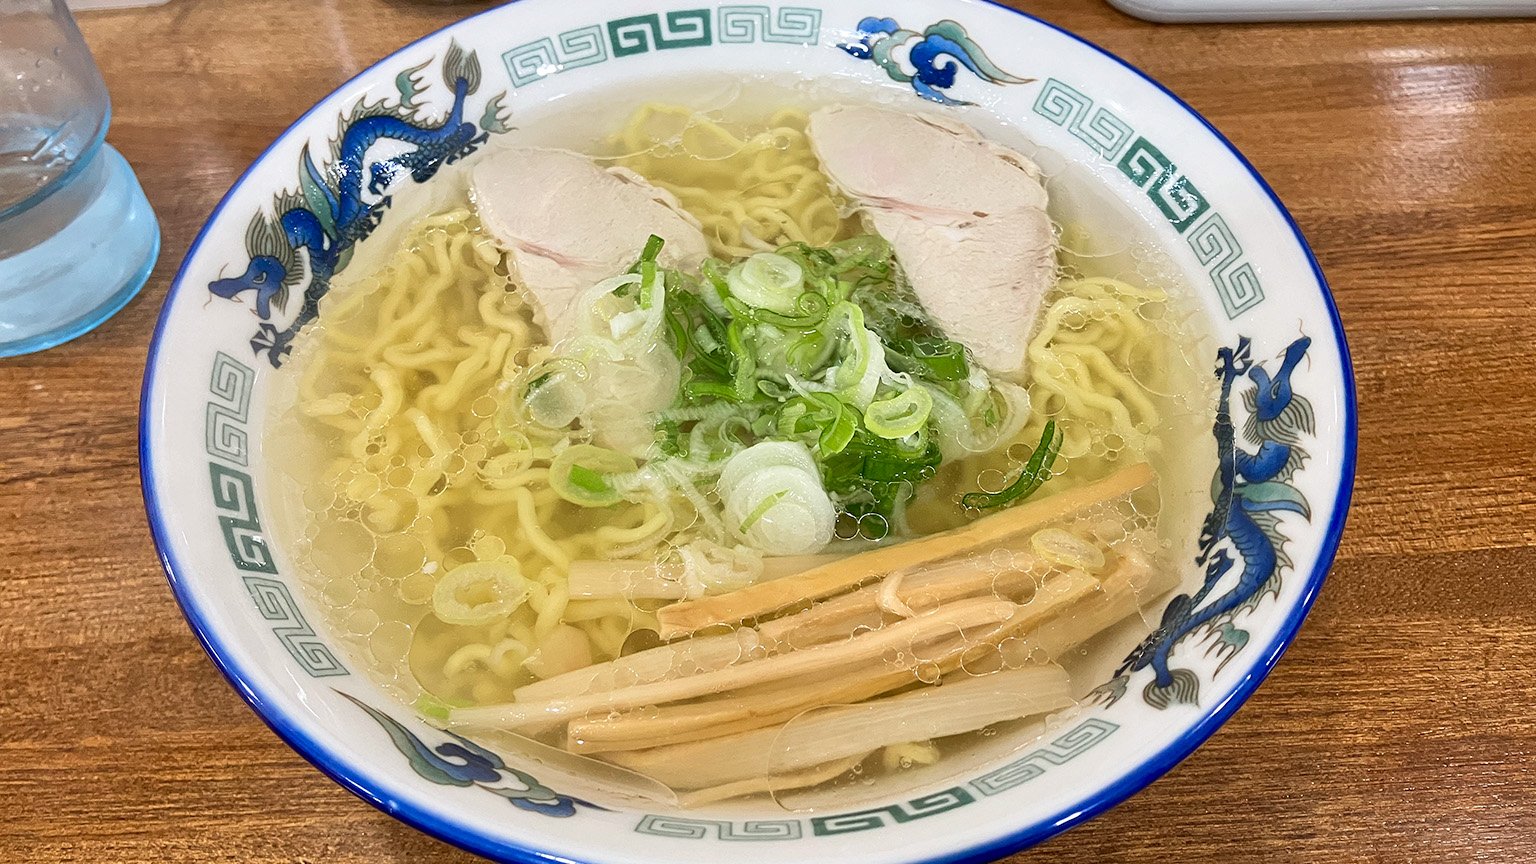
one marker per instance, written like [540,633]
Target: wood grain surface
[1399,728]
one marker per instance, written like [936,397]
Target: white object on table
[88,5]
[1187,11]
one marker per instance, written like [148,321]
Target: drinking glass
[77,236]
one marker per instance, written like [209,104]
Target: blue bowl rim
[356,779]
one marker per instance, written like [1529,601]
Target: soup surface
[777,500]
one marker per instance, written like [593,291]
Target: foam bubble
[342,548]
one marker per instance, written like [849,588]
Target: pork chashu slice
[965,216]
[568,223]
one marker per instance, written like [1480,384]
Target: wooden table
[1399,728]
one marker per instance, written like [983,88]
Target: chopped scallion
[1036,471]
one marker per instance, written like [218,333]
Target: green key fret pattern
[234,496]
[638,34]
[1168,188]
[643,33]
[791,25]
[573,49]
[1061,750]
[1064,749]
[1099,128]
[226,437]
[275,603]
[701,829]
[228,411]
[1218,251]
[880,817]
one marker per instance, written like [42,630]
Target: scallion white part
[775,501]
[767,280]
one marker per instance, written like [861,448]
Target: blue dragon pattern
[1250,491]
[341,202]
[931,74]
[463,763]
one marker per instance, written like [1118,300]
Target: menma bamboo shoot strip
[826,734]
[680,619]
[941,622]
[765,706]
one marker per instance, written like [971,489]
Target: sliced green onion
[583,475]
[866,251]
[705,340]
[433,708]
[790,415]
[835,436]
[698,390]
[875,477]
[650,253]
[809,353]
[648,282]
[810,311]
[934,359]
[768,281]
[714,273]
[743,360]
[895,461]
[795,347]
[479,592]
[833,423]
[838,290]
[1036,471]
[853,367]
[773,491]
[554,395]
[677,330]
[587,480]
[814,260]
[768,503]
[671,440]
[901,415]
[858,376]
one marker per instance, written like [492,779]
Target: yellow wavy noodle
[1102,364]
[398,389]
[1095,363]
[751,187]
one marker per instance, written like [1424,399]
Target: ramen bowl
[223,338]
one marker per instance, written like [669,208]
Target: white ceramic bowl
[211,365]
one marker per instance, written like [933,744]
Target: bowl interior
[547,72]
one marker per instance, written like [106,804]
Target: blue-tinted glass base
[91,320]
[77,257]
